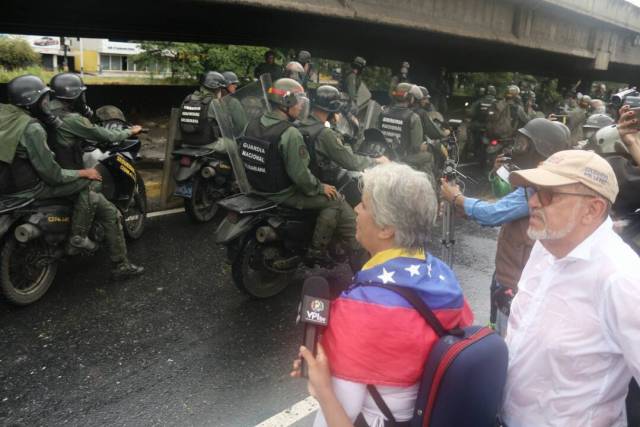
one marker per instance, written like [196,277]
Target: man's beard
[545,233]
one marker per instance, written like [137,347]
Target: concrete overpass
[567,38]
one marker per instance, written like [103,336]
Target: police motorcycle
[205,173]
[128,195]
[34,233]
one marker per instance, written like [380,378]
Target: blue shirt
[511,207]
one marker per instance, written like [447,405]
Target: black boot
[125,270]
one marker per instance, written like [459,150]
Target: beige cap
[571,167]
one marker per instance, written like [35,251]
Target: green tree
[17,53]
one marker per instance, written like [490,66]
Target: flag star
[387,276]
[414,270]
[441,277]
[429,269]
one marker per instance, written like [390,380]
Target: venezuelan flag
[375,336]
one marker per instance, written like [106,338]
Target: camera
[626,97]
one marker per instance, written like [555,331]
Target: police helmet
[304,56]
[294,67]
[547,137]
[327,99]
[404,91]
[512,91]
[608,141]
[110,112]
[359,62]
[285,92]
[491,90]
[425,92]
[213,80]
[598,121]
[67,86]
[231,78]
[24,91]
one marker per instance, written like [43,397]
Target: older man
[574,329]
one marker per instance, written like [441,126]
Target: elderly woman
[375,336]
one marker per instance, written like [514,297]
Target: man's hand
[552,117]
[330,191]
[628,127]
[500,160]
[319,383]
[382,160]
[91,174]
[135,129]
[448,190]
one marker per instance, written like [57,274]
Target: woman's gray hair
[403,198]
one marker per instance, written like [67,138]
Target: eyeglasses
[545,195]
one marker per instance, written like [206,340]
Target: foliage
[17,53]
[190,60]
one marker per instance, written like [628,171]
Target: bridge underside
[461,35]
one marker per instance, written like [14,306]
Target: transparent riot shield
[226,132]
[363,96]
[371,115]
[253,98]
[266,83]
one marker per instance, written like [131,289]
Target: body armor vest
[395,126]
[261,158]
[317,164]
[195,126]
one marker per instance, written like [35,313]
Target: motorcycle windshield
[226,133]
[253,99]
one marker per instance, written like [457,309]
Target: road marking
[293,414]
[167,212]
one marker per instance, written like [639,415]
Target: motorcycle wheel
[135,220]
[250,276]
[202,206]
[26,270]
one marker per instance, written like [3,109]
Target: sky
[634,2]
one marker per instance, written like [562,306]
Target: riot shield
[253,99]
[363,96]
[266,83]
[371,115]
[226,133]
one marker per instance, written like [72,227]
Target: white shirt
[574,335]
[355,399]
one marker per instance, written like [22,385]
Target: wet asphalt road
[180,346]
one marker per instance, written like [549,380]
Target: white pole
[81,59]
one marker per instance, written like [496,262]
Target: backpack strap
[375,394]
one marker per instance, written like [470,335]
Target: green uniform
[57,182]
[273,69]
[352,83]
[334,216]
[331,151]
[577,117]
[237,114]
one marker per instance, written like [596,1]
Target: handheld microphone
[314,313]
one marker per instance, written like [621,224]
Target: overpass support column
[602,44]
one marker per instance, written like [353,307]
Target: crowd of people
[566,286]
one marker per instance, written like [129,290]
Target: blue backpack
[463,378]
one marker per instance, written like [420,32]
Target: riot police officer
[294,70]
[353,79]
[402,128]
[402,77]
[479,112]
[304,58]
[70,106]
[276,162]
[269,66]
[30,171]
[325,145]
[198,125]
[234,107]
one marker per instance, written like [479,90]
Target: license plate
[184,189]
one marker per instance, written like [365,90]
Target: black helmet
[67,86]
[304,56]
[231,78]
[359,62]
[26,90]
[213,80]
[285,92]
[598,121]
[327,99]
[547,137]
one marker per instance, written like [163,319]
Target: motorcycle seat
[245,204]
[11,203]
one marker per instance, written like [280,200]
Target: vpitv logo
[315,312]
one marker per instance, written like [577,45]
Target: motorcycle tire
[17,259]
[135,220]
[201,206]
[259,283]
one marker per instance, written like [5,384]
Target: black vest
[260,154]
[395,124]
[317,164]
[18,176]
[195,126]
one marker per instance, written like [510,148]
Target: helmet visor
[300,111]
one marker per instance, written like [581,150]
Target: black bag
[463,377]
[195,126]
